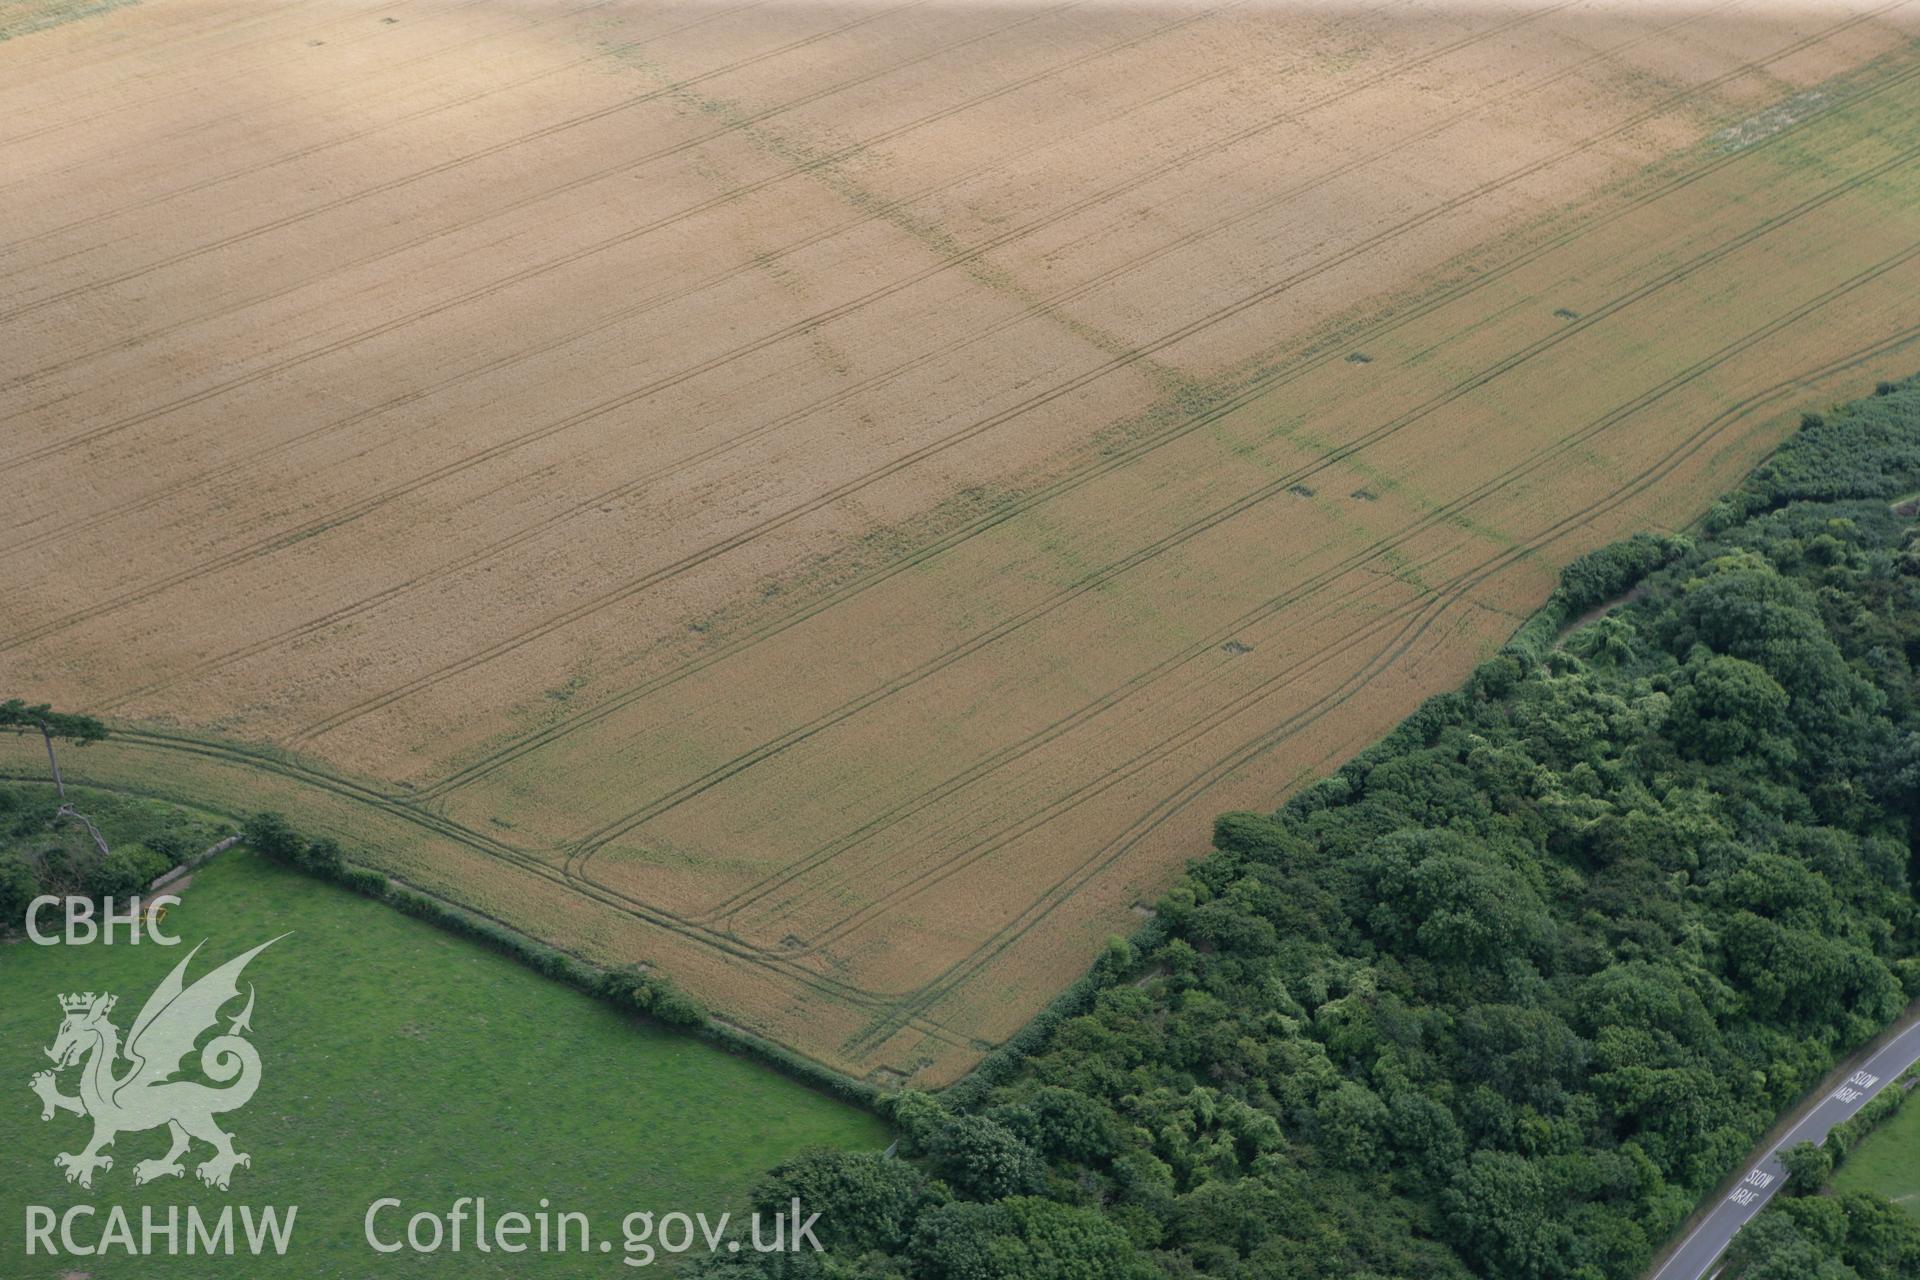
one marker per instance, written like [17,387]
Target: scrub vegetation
[1505,995]
[45,852]
[1887,1162]
[828,501]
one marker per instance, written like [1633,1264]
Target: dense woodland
[1502,998]
[1852,1236]
[1809,1233]
[1508,993]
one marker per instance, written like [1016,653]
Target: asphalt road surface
[1697,1255]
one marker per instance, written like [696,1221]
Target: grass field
[397,1061]
[1888,1162]
[830,499]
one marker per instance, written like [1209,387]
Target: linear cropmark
[831,500]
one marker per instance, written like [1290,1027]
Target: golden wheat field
[831,499]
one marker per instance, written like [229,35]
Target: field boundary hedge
[633,989]
[194,863]
[1850,1133]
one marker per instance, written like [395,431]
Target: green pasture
[1888,1161]
[398,1061]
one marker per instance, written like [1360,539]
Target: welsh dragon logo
[144,1095]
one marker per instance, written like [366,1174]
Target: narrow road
[1699,1252]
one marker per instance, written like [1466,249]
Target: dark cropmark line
[482,553]
[1221,515]
[426,238]
[519,356]
[897,1021]
[313,774]
[336,86]
[515,357]
[859,996]
[652,303]
[1028,16]
[902,1018]
[1441,597]
[1766,331]
[480,846]
[794,513]
[600,246]
[535,198]
[1651,397]
[624,105]
[754,894]
[550,130]
[487,847]
[637,483]
[619,701]
[516,442]
[1064,888]
[383,188]
[1062,892]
